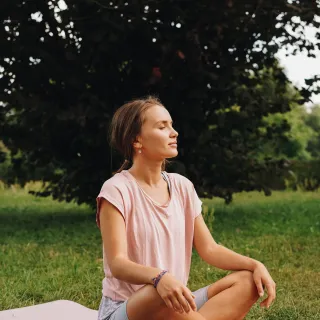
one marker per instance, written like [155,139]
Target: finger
[183,302]
[263,303]
[271,294]
[190,298]
[259,286]
[176,304]
[168,303]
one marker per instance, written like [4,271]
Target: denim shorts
[117,310]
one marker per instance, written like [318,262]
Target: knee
[153,295]
[146,301]
[245,279]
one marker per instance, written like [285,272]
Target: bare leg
[147,304]
[230,298]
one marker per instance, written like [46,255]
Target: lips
[173,144]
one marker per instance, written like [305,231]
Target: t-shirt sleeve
[197,203]
[192,203]
[113,194]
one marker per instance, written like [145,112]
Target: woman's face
[157,134]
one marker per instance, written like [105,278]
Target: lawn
[51,250]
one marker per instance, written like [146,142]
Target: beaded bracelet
[156,279]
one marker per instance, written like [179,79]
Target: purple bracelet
[156,279]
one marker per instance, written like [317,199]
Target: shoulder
[117,181]
[178,177]
[116,190]
[182,182]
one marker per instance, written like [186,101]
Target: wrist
[157,278]
[255,264]
[154,273]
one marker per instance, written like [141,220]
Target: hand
[175,295]
[262,278]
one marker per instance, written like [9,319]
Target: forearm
[131,272]
[226,259]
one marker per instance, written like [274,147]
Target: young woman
[150,220]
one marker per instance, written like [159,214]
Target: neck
[147,172]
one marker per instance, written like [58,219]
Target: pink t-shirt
[159,236]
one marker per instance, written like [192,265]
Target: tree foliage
[296,142]
[313,121]
[301,141]
[65,71]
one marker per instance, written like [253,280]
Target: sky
[300,67]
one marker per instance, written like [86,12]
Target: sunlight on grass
[51,250]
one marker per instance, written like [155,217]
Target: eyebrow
[164,121]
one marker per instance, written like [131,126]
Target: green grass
[51,250]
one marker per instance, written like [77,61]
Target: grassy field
[51,250]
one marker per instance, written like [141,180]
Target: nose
[174,133]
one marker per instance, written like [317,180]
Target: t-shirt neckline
[132,178]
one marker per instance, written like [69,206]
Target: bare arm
[223,258]
[215,254]
[114,239]
[226,259]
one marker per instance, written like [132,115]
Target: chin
[172,154]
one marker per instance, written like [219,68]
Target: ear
[137,143]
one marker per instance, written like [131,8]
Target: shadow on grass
[26,226]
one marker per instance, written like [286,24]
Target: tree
[294,143]
[313,121]
[64,72]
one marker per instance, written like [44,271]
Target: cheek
[156,140]
[157,136]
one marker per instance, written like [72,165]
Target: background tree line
[65,70]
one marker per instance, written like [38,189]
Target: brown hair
[126,126]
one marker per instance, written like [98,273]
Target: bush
[13,170]
[293,174]
[304,175]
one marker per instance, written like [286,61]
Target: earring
[139,151]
